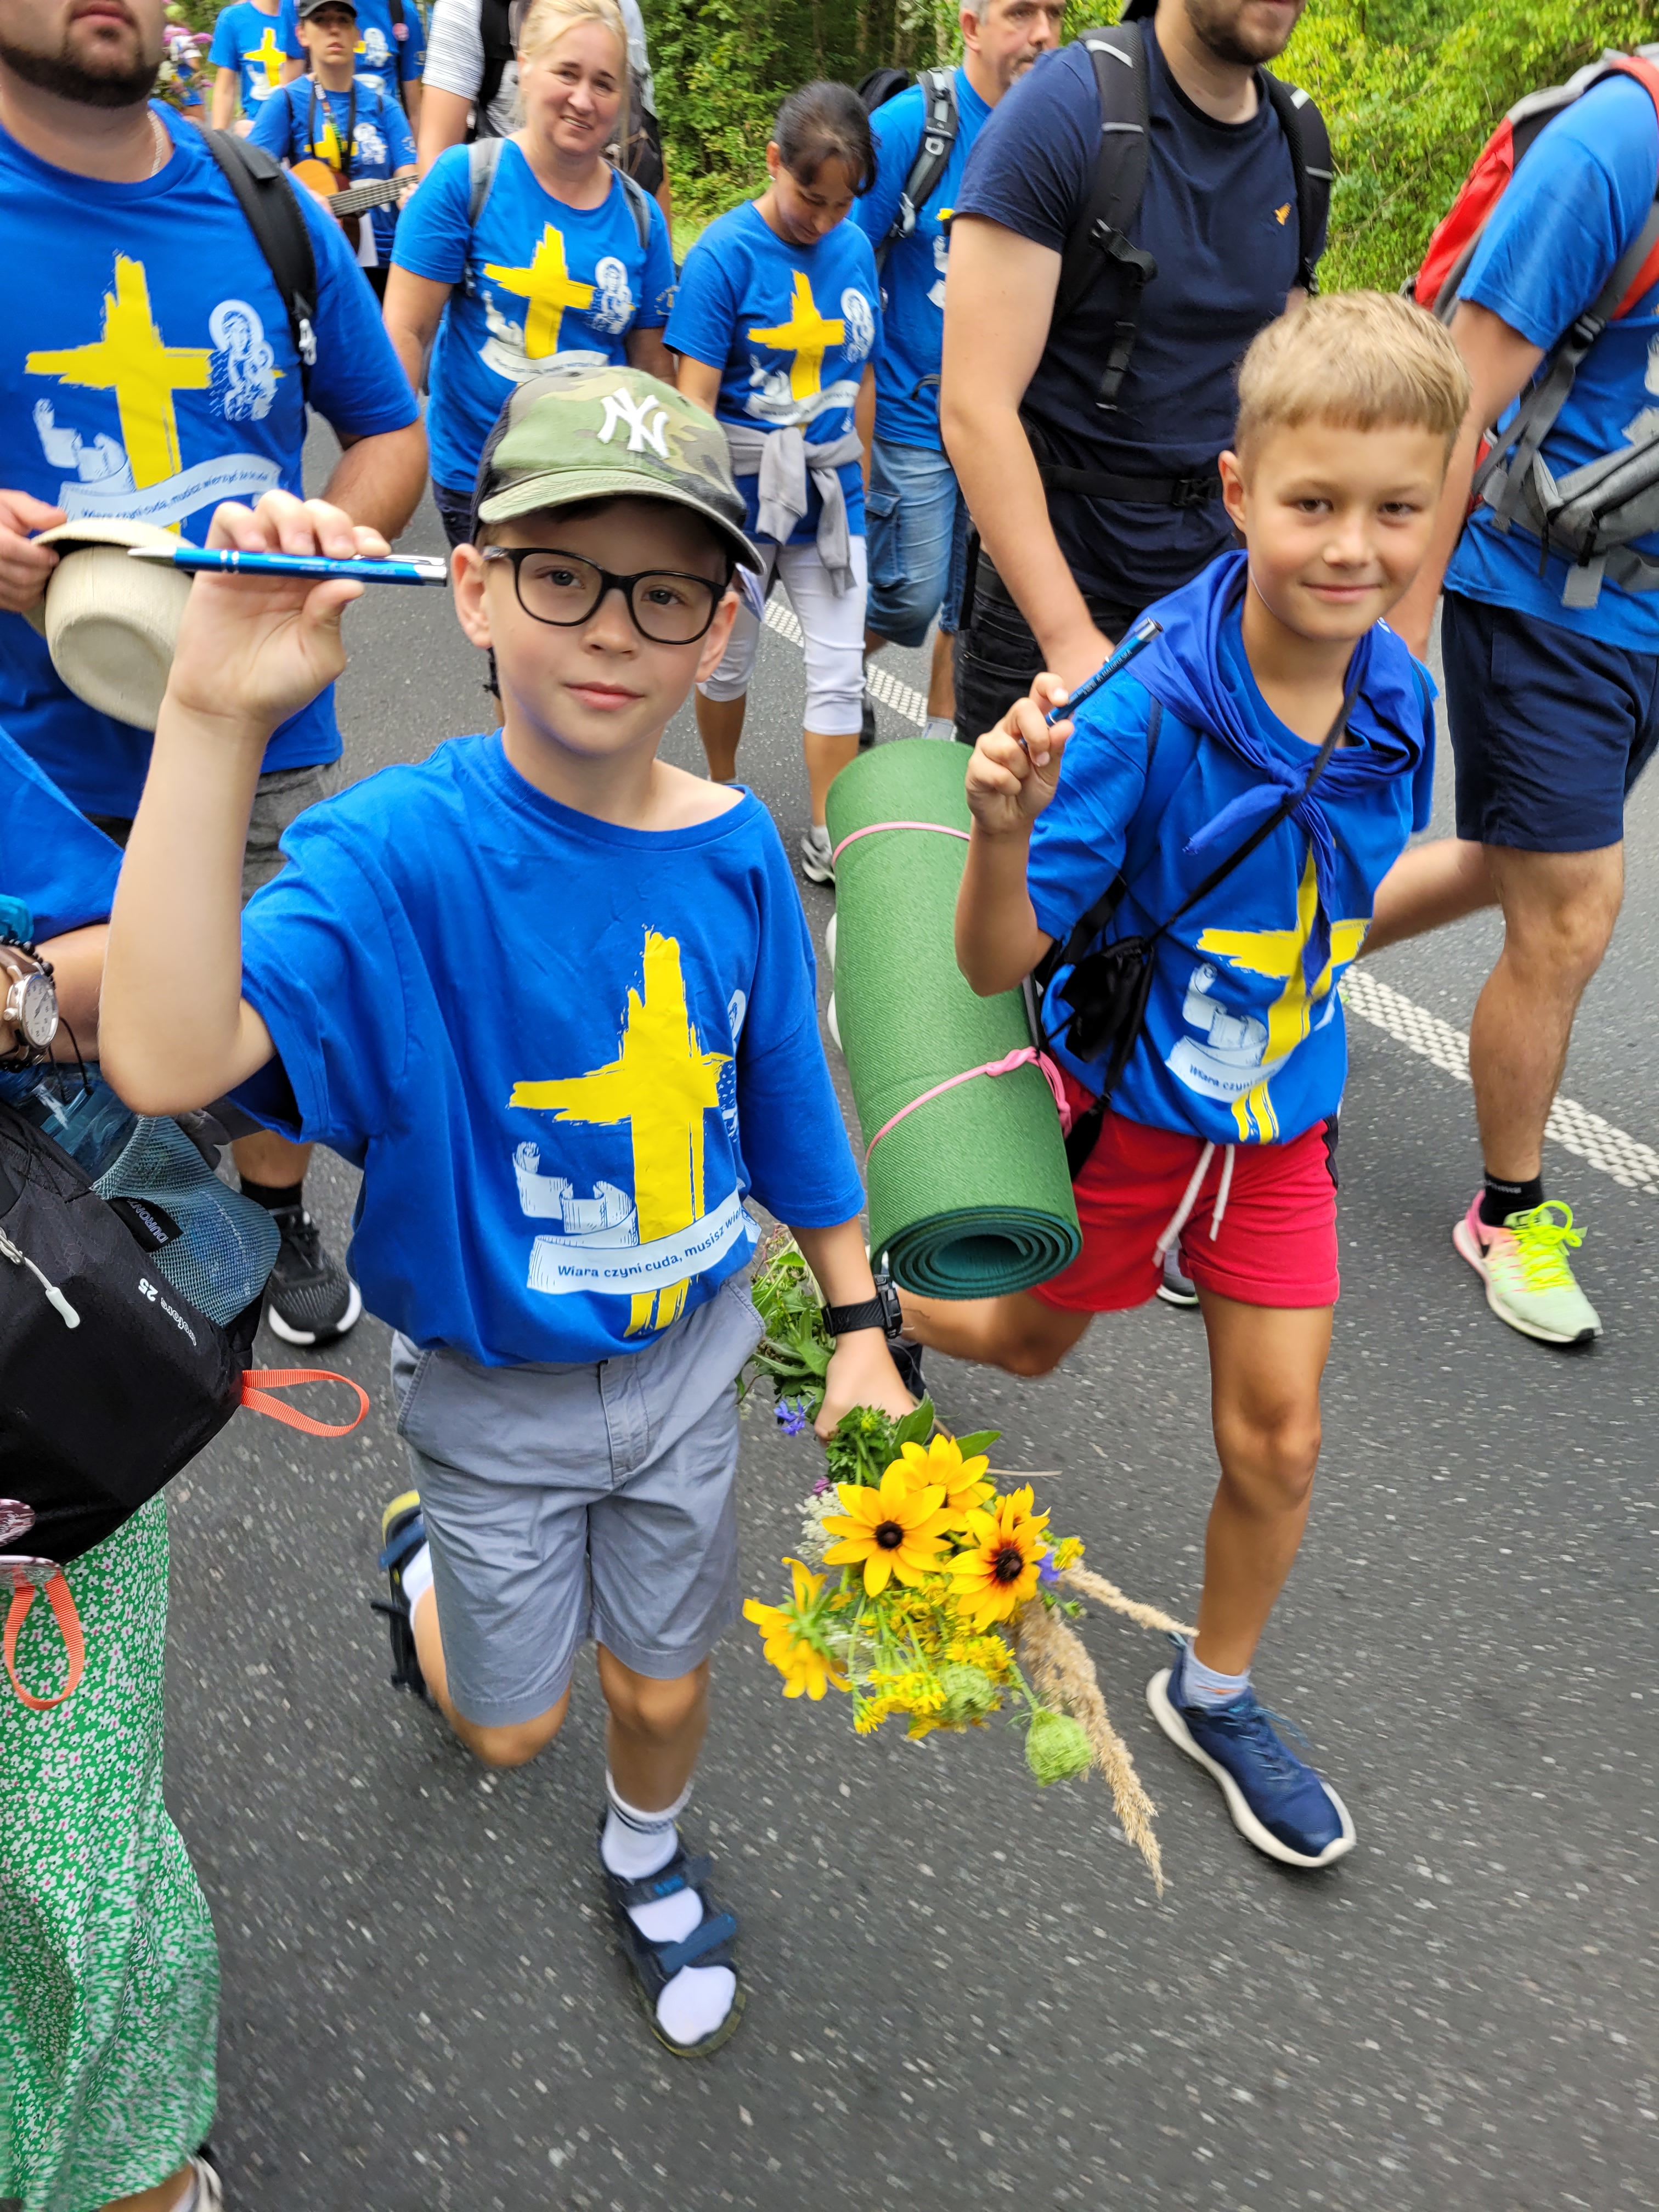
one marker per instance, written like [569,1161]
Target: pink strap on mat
[871,828]
[1027,1056]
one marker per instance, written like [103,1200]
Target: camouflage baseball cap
[580,433]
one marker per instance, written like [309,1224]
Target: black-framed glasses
[668,606]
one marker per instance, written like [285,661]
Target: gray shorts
[280,796]
[563,1501]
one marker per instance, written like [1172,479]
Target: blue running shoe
[1276,1801]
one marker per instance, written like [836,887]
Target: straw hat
[111,623]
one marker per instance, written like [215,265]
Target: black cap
[1135,10]
[306,8]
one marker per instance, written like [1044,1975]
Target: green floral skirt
[109,1972]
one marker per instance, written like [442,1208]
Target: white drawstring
[1221,1194]
[1179,1219]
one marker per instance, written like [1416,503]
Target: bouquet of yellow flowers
[926,1593]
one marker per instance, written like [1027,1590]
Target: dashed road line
[1613,1150]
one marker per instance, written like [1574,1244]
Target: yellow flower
[943,1463]
[788,1642]
[894,1531]
[1001,1572]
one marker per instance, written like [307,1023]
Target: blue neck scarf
[1187,670]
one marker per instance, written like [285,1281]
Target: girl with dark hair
[777,323]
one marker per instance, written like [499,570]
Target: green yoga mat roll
[970,1196]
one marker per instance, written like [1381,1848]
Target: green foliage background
[1410,89]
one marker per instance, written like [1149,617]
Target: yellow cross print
[807,336]
[1279,953]
[269,57]
[329,149]
[662,1084]
[548,287]
[132,360]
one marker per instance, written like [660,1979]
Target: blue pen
[1141,635]
[418,569]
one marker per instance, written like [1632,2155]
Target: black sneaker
[868,725]
[310,1298]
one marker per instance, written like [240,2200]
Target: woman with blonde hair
[519,251]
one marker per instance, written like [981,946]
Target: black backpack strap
[1100,232]
[483,158]
[1309,144]
[938,135]
[639,206]
[496,31]
[278,222]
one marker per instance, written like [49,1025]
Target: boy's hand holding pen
[254,649]
[1015,769]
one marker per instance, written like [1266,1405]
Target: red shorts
[1275,1244]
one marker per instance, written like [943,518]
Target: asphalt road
[963,1992]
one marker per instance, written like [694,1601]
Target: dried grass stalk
[1055,1658]
[1087,1584]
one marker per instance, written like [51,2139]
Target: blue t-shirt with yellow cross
[153,377]
[536,280]
[248,40]
[913,275]
[382,55]
[362,133]
[791,329]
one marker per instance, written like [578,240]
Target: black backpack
[484,159]
[938,136]
[274,215]
[1099,242]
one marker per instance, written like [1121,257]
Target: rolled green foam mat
[970,1196]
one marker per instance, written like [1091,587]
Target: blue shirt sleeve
[433,231]
[1575,203]
[273,123]
[705,308]
[896,128]
[657,289]
[224,51]
[1030,166]
[51,856]
[320,967]
[400,143]
[1078,842]
[412,51]
[790,1128]
[358,385]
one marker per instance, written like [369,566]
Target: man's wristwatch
[30,1010]
[880,1312]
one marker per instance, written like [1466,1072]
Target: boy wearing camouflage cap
[557,999]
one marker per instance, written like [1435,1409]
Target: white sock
[1203,1685]
[634,1844]
[192,2196]
[940,725]
[418,1577]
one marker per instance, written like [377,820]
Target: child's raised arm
[176,1030]
[1012,775]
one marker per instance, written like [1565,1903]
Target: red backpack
[1590,515]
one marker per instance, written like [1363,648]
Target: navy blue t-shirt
[1219,216]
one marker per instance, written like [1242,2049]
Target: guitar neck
[377,193]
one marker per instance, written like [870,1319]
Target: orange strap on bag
[258,1383]
[68,1622]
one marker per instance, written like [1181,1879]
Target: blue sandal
[652,1966]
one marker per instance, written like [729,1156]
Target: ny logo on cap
[642,431]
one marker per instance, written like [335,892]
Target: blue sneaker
[1276,1801]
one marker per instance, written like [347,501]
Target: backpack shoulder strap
[395,10]
[1100,232]
[940,123]
[495,32]
[639,206]
[1310,166]
[278,222]
[483,158]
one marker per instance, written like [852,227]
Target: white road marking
[1573,1127]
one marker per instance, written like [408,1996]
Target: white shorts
[832,628]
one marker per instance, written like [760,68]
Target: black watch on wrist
[880,1312]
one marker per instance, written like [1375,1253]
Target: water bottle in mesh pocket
[212,1244]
